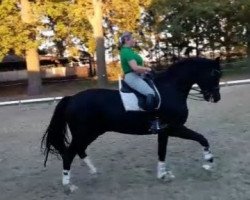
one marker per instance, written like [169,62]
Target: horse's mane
[184,65]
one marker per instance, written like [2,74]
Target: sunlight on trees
[202,26]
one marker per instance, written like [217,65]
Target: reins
[196,96]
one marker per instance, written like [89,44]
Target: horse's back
[93,98]
[101,110]
[94,101]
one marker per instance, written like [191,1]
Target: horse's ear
[217,59]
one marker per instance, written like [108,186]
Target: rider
[133,68]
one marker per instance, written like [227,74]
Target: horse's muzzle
[213,96]
[216,97]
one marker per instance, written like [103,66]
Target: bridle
[200,93]
[196,96]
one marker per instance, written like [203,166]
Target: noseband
[199,95]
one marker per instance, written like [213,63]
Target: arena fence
[55,99]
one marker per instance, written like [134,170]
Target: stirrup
[156,126]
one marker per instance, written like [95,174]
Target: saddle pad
[130,102]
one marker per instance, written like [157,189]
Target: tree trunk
[100,61]
[228,57]
[179,51]
[100,48]
[248,41]
[32,57]
[197,38]
[34,76]
[197,46]
[248,50]
[60,47]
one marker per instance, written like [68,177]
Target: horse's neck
[180,79]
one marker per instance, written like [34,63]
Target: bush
[243,63]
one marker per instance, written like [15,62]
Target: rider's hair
[125,36]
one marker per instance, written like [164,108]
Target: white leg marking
[162,173]
[89,163]
[65,177]
[66,182]
[208,158]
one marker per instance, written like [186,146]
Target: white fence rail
[54,99]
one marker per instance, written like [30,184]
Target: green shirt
[127,54]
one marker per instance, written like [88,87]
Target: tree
[243,16]
[67,20]
[207,24]
[14,32]
[18,34]
[96,20]
[122,15]
[32,58]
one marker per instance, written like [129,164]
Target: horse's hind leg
[88,162]
[87,140]
[185,133]
[68,157]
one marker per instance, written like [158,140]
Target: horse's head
[208,79]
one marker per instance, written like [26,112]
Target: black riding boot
[155,123]
[150,103]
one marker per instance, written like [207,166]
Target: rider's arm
[138,69]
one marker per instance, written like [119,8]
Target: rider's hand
[148,69]
[150,73]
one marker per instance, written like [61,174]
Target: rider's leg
[137,83]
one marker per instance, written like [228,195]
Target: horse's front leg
[186,133]
[162,171]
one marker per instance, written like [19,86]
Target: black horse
[93,112]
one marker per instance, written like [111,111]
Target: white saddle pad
[130,101]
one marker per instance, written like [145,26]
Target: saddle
[135,101]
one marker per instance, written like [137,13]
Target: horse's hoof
[169,176]
[94,176]
[207,167]
[161,176]
[70,188]
[73,188]
[166,176]
[93,171]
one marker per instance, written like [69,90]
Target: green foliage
[14,33]
[210,24]
[66,19]
[124,14]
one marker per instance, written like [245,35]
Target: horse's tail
[55,138]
